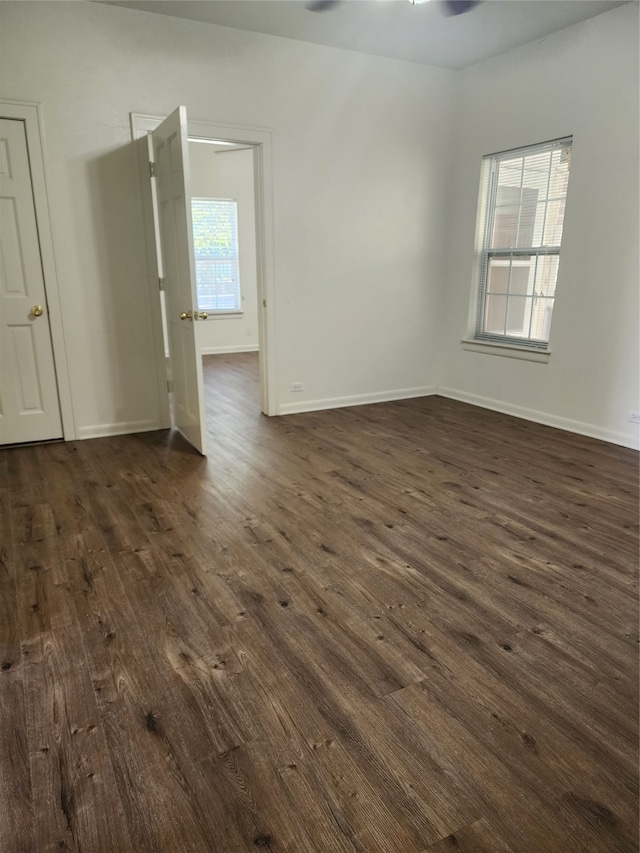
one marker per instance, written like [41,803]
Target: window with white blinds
[525,193]
[215,243]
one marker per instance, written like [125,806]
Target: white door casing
[171,171]
[29,404]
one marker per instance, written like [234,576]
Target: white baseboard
[355,400]
[121,428]
[221,350]
[567,424]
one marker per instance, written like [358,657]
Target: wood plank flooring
[409,627]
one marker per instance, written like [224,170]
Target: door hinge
[170,386]
[160,283]
[152,169]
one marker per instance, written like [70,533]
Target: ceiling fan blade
[450,7]
[321,5]
[458,7]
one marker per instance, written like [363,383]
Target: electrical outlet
[634,417]
[297,386]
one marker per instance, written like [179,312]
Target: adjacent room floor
[404,627]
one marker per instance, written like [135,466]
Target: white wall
[359,145]
[581,81]
[229,174]
[363,204]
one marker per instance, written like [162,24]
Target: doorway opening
[230,176]
[223,214]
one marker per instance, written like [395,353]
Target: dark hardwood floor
[405,627]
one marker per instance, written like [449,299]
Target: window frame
[486,221]
[214,313]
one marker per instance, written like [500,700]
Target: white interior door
[29,405]
[171,158]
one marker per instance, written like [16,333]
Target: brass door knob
[203,315]
[37,310]
[186,315]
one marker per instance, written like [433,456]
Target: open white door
[171,171]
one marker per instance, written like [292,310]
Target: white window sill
[508,350]
[225,315]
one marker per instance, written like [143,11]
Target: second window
[525,193]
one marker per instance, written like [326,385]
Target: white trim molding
[222,350]
[566,424]
[121,428]
[356,400]
[508,350]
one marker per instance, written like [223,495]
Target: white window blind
[215,242]
[526,192]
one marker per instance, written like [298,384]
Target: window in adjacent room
[215,242]
[524,194]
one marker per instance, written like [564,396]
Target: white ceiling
[392,28]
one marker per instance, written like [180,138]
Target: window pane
[522,274]
[505,227]
[559,178]
[541,318]
[518,316]
[506,212]
[495,313]
[529,200]
[498,275]
[535,176]
[511,274]
[554,222]
[215,242]
[525,213]
[546,275]
[217,285]
[531,219]
[510,172]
